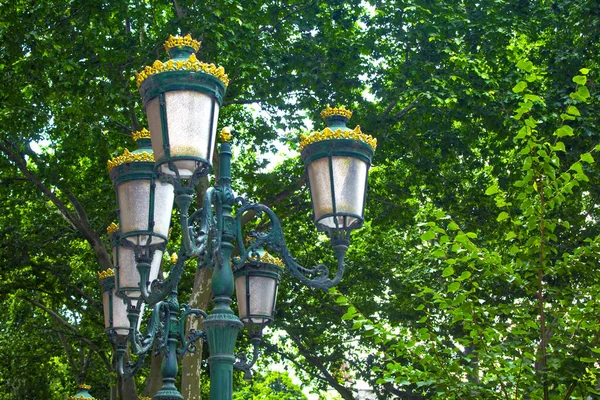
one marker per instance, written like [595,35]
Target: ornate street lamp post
[182,98]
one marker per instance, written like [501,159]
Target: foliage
[271,385]
[441,306]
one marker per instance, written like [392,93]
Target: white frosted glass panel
[349,178]
[134,198]
[127,273]
[240,291]
[153,112]
[189,117]
[134,206]
[106,306]
[214,132]
[320,186]
[164,195]
[120,321]
[262,291]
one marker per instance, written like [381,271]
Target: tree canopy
[475,273]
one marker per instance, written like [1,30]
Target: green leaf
[559,146]
[573,111]
[453,287]
[452,226]
[492,190]
[587,157]
[464,275]
[580,79]
[525,65]
[519,87]
[583,92]
[510,235]
[584,71]
[502,216]
[430,234]
[447,272]
[472,235]
[567,117]
[564,130]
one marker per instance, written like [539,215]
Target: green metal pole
[222,325]
[169,391]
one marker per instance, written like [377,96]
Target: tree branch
[64,323]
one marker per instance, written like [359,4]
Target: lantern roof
[82,394]
[336,119]
[183,58]
[143,153]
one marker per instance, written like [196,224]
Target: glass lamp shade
[128,276]
[182,98]
[145,203]
[256,290]
[115,309]
[337,162]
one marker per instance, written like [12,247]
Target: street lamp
[182,98]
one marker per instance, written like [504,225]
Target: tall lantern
[337,160]
[256,283]
[182,98]
[145,206]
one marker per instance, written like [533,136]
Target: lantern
[182,98]
[337,162]
[256,283]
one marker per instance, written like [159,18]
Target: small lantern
[121,291]
[82,393]
[182,98]
[145,203]
[115,309]
[337,160]
[256,284]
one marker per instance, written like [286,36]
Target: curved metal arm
[317,277]
[243,364]
[142,345]
[127,370]
[189,342]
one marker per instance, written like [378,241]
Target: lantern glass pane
[106,306]
[154,124]
[134,204]
[164,196]
[120,320]
[349,178]
[240,291]
[134,197]
[262,296]
[320,186]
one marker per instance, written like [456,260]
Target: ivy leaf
[573,111]
[525,65]
[492,190]
[587,157]
[453,287]
[447,272]
[564,130]
[519,87]
[584,71]
[502,216]
[580,79]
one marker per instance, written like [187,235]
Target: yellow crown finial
[141,134]
[112,228]
[328,112]
[106,273]
[177,41]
